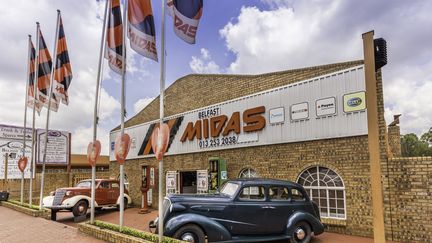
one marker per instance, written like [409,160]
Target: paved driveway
[18,227]
[140,221]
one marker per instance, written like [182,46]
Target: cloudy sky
[241,37]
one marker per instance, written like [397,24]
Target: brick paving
[140,221]
[16,227]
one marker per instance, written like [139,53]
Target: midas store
[305,125]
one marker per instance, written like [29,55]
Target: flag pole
[53,66]
[123,111]
[25,114]
[35,84]
[161,115]
[95,116]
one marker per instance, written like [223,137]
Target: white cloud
[204,64]
[83,29]
[294,34]
[142,103]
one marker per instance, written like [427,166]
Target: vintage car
[245,210]
[77,199]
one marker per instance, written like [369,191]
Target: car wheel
[80,208]
[190,233]
[302,233]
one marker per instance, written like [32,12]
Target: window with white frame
[248,173]
[326,188]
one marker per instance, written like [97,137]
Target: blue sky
[234,37]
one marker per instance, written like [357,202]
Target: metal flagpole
[35,82]
[123,110]
[95,117]
[161,115]
[25,116]
[49,107]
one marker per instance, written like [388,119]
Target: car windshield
[83,184]
[229,189]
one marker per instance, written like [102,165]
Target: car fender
[316,225]
[70,202]
[126,196]
[47,201]
[214,230]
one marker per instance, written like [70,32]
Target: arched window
[248,173]
[327,189]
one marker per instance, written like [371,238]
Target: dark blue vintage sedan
[245,210]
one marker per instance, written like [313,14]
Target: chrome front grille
[58,197]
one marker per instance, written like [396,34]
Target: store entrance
[188,182]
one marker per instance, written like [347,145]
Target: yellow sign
[354,101]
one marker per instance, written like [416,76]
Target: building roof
[81,160]
[198,90]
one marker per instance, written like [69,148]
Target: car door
[246,215]
[102,193]
[114,192]
[279,208]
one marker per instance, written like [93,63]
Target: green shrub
[34,207]
[133,232]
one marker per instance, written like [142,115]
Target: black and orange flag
[63,70]
[114,50]
[31,78]
[44,72]
[186,14]
[141,33]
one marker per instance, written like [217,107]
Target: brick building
[306,125]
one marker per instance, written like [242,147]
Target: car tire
[190,233]
[302,233]
[80,208]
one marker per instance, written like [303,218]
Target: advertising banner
[202,180]
[307,110]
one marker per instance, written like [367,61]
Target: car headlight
[52,193]
[69,193]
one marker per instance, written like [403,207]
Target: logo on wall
[253,121]
[146,146]
[354,101]
[326,106]
[300,111]
[277,115]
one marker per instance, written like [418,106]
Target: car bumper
[47,202]
[154,225]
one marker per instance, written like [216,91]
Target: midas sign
[253,120]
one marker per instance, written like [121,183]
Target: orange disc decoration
[93,152]
[121,148]
[160,139]
[22,163]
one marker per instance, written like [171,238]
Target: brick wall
[411,198]
[347,156]
[394,140]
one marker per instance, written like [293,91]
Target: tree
[427,137]
[411,146]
